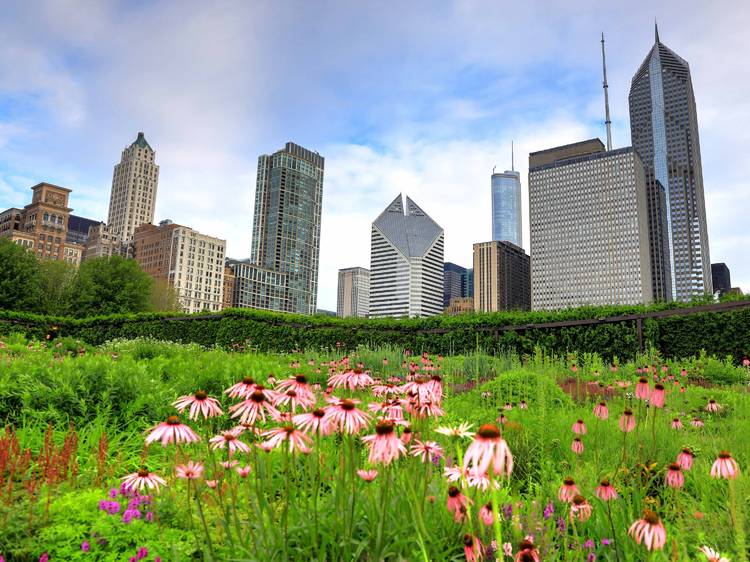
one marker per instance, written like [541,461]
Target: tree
[56,286]
[19,278]
[164,297]
[110,285]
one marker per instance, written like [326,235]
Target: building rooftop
[412,231]
[141,142]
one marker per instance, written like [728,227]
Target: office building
[455,282]
[406,262]
[191,262]
[229,284]
[589,227]
[101,243]
[42,226]
[459,305]
[353,292]
[506,207]
[78,229]
[502,277]
[258,287]
[664,133]
[721,280]
[134,183]
[286,223]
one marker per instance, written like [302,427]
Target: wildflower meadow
[145,450]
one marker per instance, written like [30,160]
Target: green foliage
[56,280]
[19,278]
[110,285]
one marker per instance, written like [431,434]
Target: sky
[420,97]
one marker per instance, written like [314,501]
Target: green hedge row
[718,333]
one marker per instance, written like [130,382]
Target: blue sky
[417,97]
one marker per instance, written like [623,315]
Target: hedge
[719,329]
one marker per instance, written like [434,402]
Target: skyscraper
[406,262]
[502,277]
[664,132]
[721,278]
[589,227]
[134,183]
[455,282]
[286,224]
[353,292]
[506,207]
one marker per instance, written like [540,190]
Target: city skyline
[447,126]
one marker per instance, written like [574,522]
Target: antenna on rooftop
[512,158]
[607,122]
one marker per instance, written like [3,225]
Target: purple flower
[589,544]
[142,553]
[591,557]
[130,514]
[85,546]
[44,557]
[561,526]
[149,516]
[113,493]
[606,542]
[157,559]
[508,511]
[549,510]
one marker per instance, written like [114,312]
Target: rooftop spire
[656,32]
[512,158]
[607,122]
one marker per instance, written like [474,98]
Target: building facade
[78,229]
[286,222]
[229,283]
[664,132]
[459,305]
[506,207]
[42,226]
[721,278]
[406,262]
[134,183]
[101,243]
[353,292]
[589,227]
[455,282]
[191,262]
[258,287]
[502,277]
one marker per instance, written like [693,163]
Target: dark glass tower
[286,225]
[664,131]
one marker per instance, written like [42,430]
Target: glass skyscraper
[506,207]
[664,131]
[286,225]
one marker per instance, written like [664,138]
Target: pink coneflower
[428,409]
[685,459]
[457,503]
[243,471]
[257,406]
[601,411]
[386,389]
[486,515]
[142,479]
[212,484]
[472,548]
[420,388]
[657,396]
[242,389]
[292,400]
[425,450]
[523,405]
[574,368]
[489,449]
[642,390]
[579,428]
[385,446]
[725,467]
[296,438]
[580,509]
[676,423]
[172,431]
[367,475]
[229,440]
[627,421]
[675,478]
[345,416]
[712,555]
[435,386]
[606,491]
[527,552]
[746,362]
[508,407]
[577,446]
[314,422]
[298,384]
[200,403]
[713,406]
[190,471]
[385,361]
[502,420]
[568,490]
[229,464]
[683,372]
[649,530]
[351,380]
[697,422]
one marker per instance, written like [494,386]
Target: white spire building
[406,262]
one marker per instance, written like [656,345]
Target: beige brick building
[191,262]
